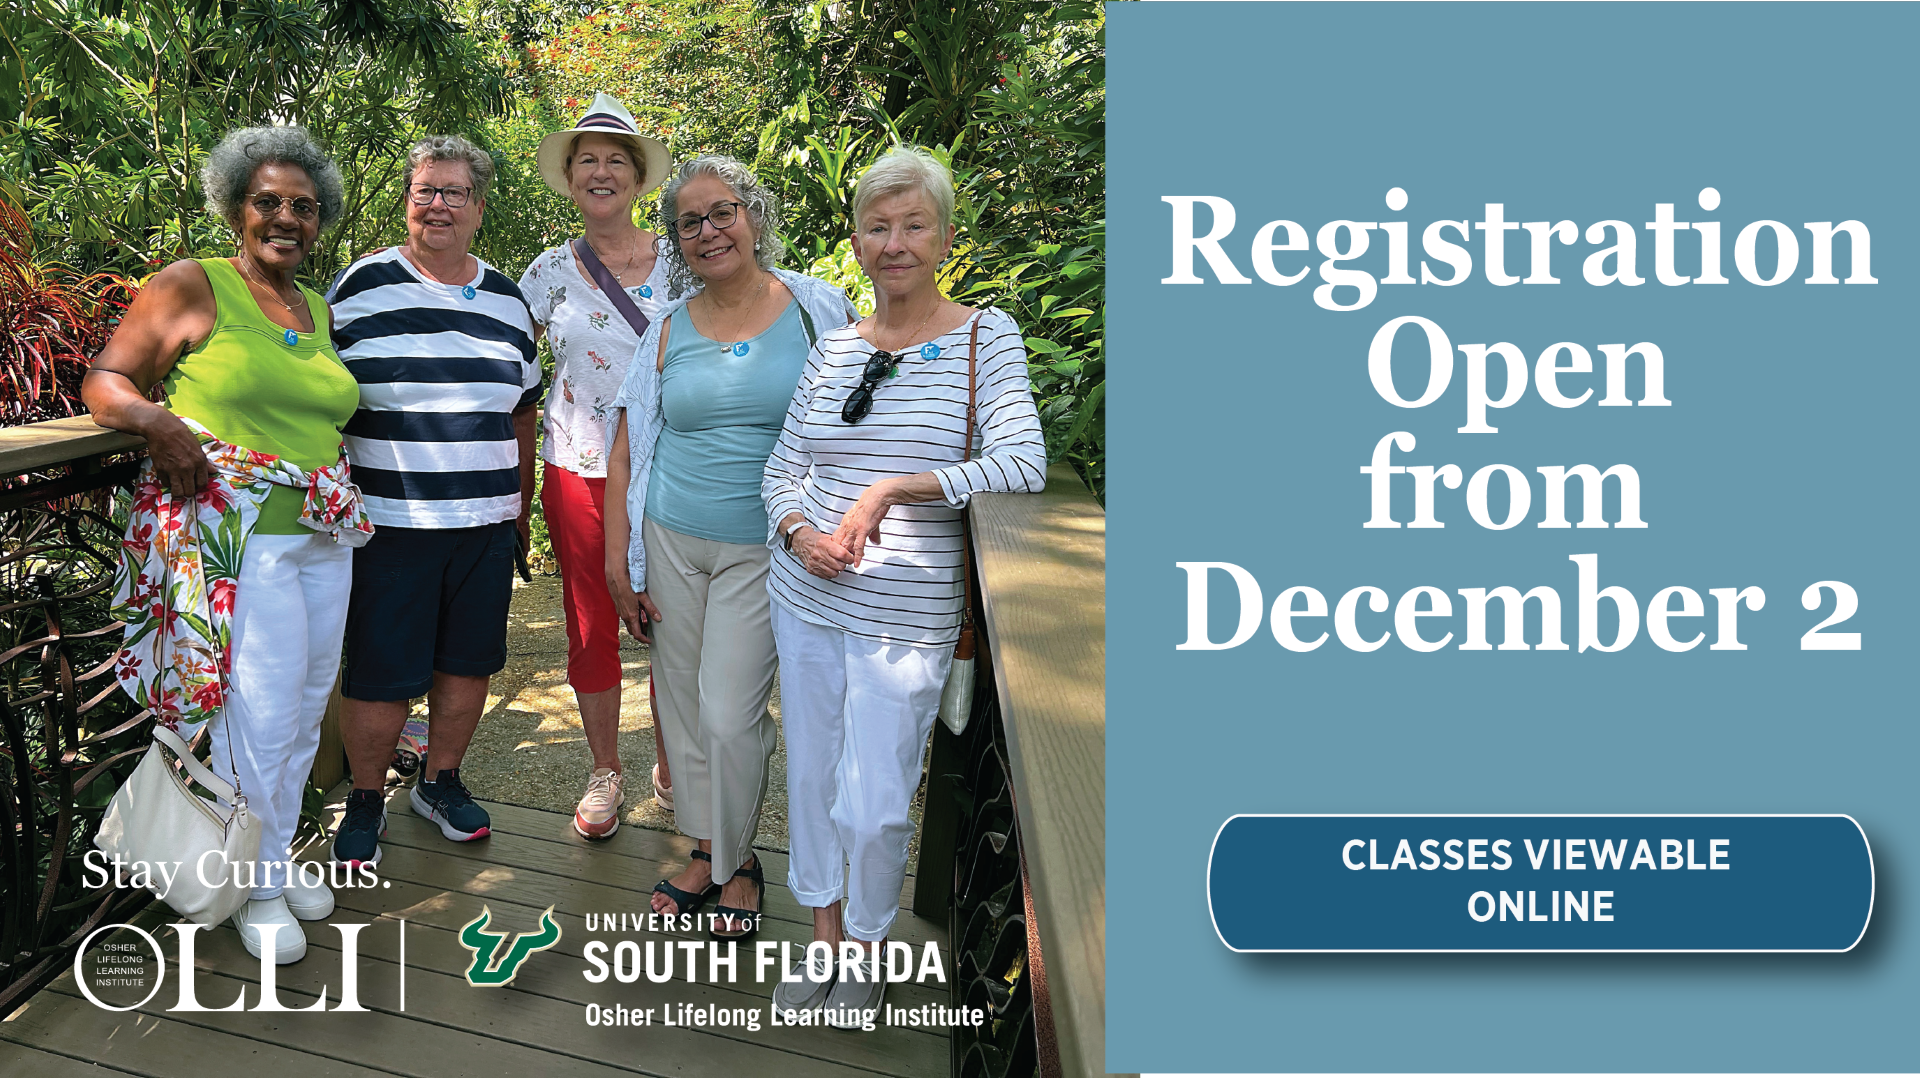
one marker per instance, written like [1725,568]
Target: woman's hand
[822,555]
[635,608]
[861,524]
[178,463]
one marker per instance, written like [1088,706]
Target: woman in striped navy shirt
[864,492]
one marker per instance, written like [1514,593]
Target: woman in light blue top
[695,421]
[723,412]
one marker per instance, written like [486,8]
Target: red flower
[139,542]
[146,497]
[221,598]
[127,665]
[209,697]
[217,496]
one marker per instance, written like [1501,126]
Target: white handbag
[956,697]
[155,818]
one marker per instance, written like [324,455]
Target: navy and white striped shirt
[440,374]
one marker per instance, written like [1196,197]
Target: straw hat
[606,116]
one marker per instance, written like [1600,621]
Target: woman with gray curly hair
[695,420]
[246,475]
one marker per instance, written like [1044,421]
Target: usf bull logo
[495,961]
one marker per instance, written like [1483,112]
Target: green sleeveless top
[251,387]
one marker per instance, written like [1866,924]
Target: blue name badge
[929,351]
[469,292]
[1541,883]
[292,338]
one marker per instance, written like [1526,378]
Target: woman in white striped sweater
[865,491]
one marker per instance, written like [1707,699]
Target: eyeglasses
[267,204]
[722,215]
[422,195]
[881,365]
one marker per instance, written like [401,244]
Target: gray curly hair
[452,148]
[762,209]
[229,169]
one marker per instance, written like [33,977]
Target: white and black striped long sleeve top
[907,590]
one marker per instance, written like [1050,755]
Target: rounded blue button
[740,349]
[646,291]
[929,351]
[468,292]
[292,337]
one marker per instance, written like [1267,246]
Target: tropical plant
[1011,94]
[52,321]
[110,106]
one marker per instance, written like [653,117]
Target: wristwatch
[787,537]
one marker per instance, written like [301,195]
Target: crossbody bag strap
[965,648]
[616,295]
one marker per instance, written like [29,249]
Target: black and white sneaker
[446,802]
[358,839]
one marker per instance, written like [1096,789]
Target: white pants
[288,622]
[857,714]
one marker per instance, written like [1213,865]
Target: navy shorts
[427,599]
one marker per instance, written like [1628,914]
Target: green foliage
[108,108]
[1012,95]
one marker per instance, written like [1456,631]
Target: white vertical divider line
[403,963]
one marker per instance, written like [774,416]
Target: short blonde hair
[903,169]
[635,153]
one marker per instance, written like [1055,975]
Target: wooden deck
[535,1026]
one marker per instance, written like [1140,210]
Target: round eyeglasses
[267,204]
[722,215]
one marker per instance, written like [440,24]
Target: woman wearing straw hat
[593,298]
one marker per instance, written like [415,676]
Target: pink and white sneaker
[598,815]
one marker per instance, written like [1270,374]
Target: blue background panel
[1239,418]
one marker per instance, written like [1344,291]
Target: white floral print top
[592,347]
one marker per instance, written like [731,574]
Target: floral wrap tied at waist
[179,570]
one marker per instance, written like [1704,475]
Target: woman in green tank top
[243,351]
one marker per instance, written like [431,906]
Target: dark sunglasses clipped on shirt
[880,366]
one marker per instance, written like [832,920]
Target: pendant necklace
[741,348]
[290,336]
[927,351]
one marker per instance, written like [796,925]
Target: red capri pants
[572,505]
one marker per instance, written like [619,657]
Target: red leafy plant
[53,319]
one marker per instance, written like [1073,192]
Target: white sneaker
[290,945]
[848,999]
[307,900]
[806,994]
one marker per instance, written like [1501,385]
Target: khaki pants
[713,664]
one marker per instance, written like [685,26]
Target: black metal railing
[987,914]
[70,737]
[977,865]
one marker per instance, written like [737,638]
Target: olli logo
[491,968]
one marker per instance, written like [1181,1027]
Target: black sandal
[749,918]
[688,901]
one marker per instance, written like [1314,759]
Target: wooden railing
[1013,840]
[69,736]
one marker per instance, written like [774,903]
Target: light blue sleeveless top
[724,405]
